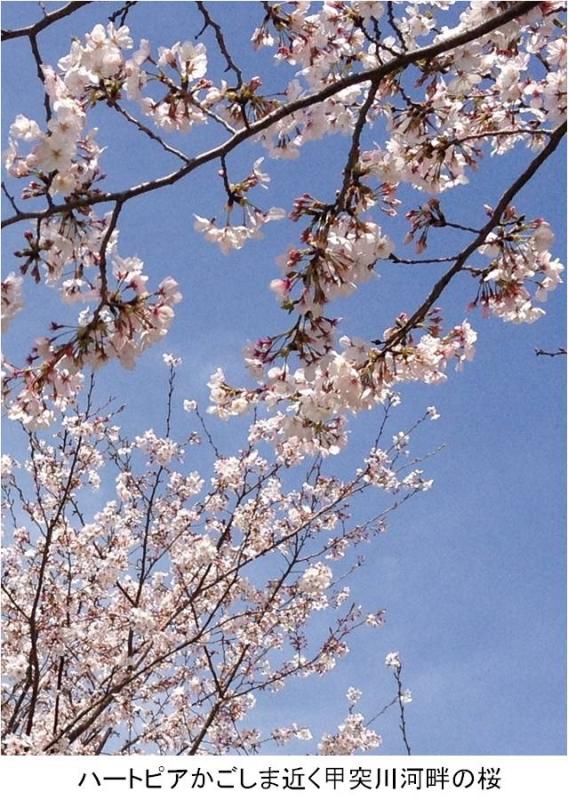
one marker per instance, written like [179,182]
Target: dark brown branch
[397,260]
[494,134]
[10,197]
[108,731]
[122,13]
[125,593]
[14,602]
[103,251]
[353,157]
[459,227]
[41,76]
[552,353]
[402,710]
[210,23]
[150,133]
[231,197]
[421,54]
[58,693]
[49,19]
[394,26]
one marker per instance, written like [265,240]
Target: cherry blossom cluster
[120,322]
[521,270]
[12,300]
[474,91]
[65,158]
[339,254]
[316,399]
[70,251]
[231,236]
[503,88]
[353,736]
[475,94]
[189,632]
[153,617]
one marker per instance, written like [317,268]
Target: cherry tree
[154,621]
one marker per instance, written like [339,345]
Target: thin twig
[207,432]
[459,227]
[210,23]
[402,710]
[383,710]
[552,353]
[212,115]
[397,260]
[10,197]
[394,26]
[150,133]
[122,13]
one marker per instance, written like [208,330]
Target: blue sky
[472,574]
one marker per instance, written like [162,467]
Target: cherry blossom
[12,300]
[143,623]
[162,615]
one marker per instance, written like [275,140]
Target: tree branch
[353,157]
[103,251]
[39,70]
[10,197]
[552,353]
[122,13]
[42,24]
[210,23]
[150,133]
